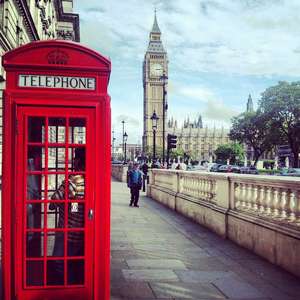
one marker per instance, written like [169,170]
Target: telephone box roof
[51,53]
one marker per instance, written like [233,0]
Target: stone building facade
[154,67]
[197,141]
[24,21]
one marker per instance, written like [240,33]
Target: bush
[268,172]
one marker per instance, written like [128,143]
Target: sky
[219,52]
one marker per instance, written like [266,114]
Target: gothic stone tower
[154,66]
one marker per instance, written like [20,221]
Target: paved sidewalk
[158,254]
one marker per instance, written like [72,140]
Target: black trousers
[135,193]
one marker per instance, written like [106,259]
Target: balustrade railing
[276,199]
[197,186]
[270,197]
[160,178]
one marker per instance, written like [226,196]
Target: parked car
[295,172]
[229,169]
[249,170]
[117,162]
[215,167]
[196,168]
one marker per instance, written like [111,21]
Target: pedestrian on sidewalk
[135,184]
[144,169]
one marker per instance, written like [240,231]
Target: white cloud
[211,107]
[225,37]
[196,93]
[255,37]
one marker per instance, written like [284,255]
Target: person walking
[144,169]
[183,166]
[174,164]
[135,184]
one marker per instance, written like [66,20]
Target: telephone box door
[54,206]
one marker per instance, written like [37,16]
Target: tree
[176,152]
[232,151]
[281,104]
[253,129]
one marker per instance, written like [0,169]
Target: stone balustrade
[261,213]
[119,172]
[274,198]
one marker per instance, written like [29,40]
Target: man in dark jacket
[135,184]
[144,169]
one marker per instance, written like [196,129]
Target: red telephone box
[56,173]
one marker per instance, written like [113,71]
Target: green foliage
[268,172]
[232,151]
[254,129]
[174,153]
[281,105]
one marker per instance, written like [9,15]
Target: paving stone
[173,264]
[133,290]
[118,264]
[229,299]
[149,247]
[121,246]
[233,287]
[192,276]
[150,275]
[206,264]
[123,254]
[186,291]
[155,236]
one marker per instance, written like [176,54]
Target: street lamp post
[164,79]
[154,118]
[113,145]
[125,137]
[123,130]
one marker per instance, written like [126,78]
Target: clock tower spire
[154,67]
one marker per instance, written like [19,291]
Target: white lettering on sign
[57,82]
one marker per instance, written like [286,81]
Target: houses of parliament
[193,138]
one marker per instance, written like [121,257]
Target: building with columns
[24,21]
[154,67]
[197,141]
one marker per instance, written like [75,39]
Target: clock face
[156,69]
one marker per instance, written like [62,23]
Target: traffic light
[172,140]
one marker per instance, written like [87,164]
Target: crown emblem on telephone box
[57,57]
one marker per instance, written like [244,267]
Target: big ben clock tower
[155,66]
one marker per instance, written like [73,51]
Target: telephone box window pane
[35,244]
[76,272]
[57,130]
[56,159]
[35,273]
[36,158]
[35,215]
[55,244]
[56,186]
[76,159]
[76,215]
[53,215]
[76,243]
[58,217]
[35,187]
[55,272]
[76,187]
[36,130]
[77,131]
